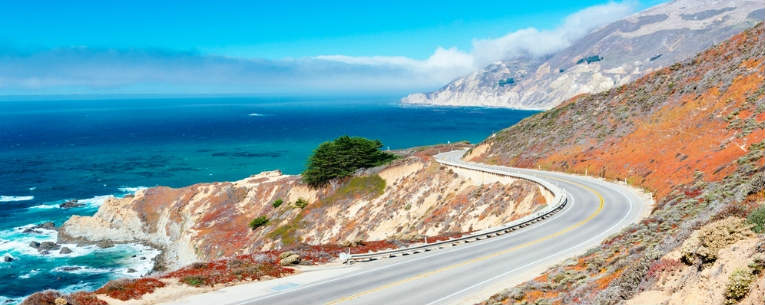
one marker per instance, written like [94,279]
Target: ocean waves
[93,202]
[4,198]
[32,257]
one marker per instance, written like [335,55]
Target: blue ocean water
[53,151]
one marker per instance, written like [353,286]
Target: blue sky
[99,47]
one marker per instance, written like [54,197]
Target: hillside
[693,134]
[610,56]
[411,197]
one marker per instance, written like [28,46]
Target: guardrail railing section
[558,203]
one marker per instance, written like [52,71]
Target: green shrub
[301,203]
[757,218]
[341,157]
[738,285]
[258,222]
[195,281]
[277,203]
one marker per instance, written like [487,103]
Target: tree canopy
[343,156]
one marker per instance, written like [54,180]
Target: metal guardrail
[558,203]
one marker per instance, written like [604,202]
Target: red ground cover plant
[240,268]
[661,266]
[126,289]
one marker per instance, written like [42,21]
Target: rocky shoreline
[159,262]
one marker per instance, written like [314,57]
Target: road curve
[595,210]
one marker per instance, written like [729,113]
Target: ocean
[54,151]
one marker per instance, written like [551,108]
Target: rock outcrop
[608,57]
[412,196]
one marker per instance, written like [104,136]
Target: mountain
[607,57]
[693,134]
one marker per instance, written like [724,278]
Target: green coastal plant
[195,281]
[342,157]
[258,222]
[301,203]
[277,203]
[738,285]
[757,218]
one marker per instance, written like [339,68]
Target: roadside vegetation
[342,157]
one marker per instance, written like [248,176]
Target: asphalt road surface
[595,210]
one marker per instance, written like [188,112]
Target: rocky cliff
[693,134]
[608,57]
[410,197]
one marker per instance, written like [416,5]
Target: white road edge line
[539,260]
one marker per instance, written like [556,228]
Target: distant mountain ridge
[609,56]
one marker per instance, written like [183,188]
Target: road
[595,210]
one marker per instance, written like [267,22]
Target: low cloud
[533,42]
[110,71]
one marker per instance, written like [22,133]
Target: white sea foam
[77,287]
[77,269]
[92,202]
[131,189]
[142,263]
[96,201]
[9,301]
[45,206]
[18,242]
[256,114]
[29,274]
[4,198]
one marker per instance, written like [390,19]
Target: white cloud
[84,70]
[534,42]
[446,64]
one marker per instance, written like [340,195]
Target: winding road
[595,210]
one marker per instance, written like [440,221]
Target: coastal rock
[65,250]
[292,259]
[71,204]
[69,268]
[48,245]
[8,258]
[34,244]
[36,228]
[209,221]
[103,244]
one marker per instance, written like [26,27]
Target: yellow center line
[481,258]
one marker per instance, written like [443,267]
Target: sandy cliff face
[610,56]
[412,196]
